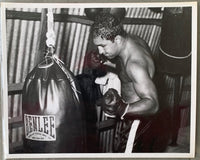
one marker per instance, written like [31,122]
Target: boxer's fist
[95,59]
[112,104]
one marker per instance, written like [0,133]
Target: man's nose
[101,50]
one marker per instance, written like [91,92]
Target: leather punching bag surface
[53,113]
[175,45]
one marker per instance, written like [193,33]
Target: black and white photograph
[99,80]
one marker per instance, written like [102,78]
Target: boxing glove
[95,59]
[113,105]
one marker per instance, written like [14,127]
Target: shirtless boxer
[135,69]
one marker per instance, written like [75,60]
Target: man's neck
[124,50]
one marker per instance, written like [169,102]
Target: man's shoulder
[136,39]
[133,63]
[138,66]
[139,44]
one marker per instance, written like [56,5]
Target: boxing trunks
[152,134]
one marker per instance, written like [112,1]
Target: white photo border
[191,154]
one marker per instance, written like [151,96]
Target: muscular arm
[145,90]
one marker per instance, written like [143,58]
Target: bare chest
[122,73]
[127,86]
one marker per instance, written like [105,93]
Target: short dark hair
[107,26]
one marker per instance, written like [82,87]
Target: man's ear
[118,39]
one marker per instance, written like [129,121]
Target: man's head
[107,34]
[107,27]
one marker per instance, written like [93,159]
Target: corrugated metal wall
[22,38]
[150,33]
[71,46]
[71,41]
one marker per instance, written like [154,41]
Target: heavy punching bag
[91,13]
[175,45]
[175,57]
[53,113]
[52,110]
[118,13]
